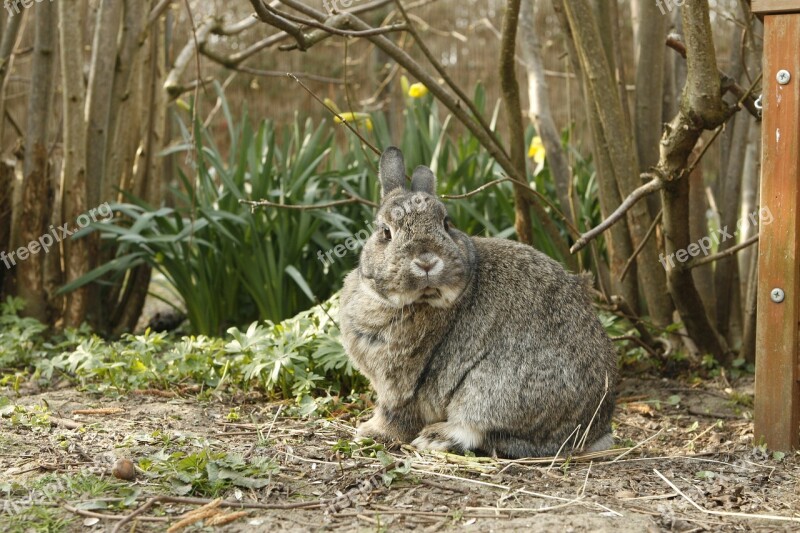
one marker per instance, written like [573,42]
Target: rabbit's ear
[423,180]
[392,170]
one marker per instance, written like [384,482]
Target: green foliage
[299,358]
[206,472]
[231,264]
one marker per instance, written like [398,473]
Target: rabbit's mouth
[431,293]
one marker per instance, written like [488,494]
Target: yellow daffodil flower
[417,90]
[354,117]
[536,150]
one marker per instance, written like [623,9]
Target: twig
[334,113]
[526,509]
[641,246]
[715,257]
[476,191]
[142,508]
[102,516]
[65,423]
[654,185]
[639,445]
[725,513]
[278,74]
[299,207]
[332,29]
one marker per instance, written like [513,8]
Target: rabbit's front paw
[448,436]
[375,429]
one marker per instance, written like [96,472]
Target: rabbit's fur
[472,343]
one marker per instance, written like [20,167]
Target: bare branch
[654,185]
[639,248]
[721,255]
[265,15]
[476,191]
[446,77]
[746,98]
[299,207]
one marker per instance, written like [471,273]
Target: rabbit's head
[414,255]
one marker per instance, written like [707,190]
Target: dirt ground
[685,461]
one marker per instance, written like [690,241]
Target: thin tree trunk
[650,66]
[618,238]
[731,187]
[621,153]
[98,98]
[539,110]
[698,228]
[31,214]
[750,310]
[8,41]
[147,180]
[701,108]
[516,131]
[73,192]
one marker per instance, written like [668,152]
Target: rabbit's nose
[427,265]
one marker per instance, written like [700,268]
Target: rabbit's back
[525,358]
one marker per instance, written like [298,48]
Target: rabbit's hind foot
[448,436]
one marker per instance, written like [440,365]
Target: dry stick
[92,514]
[641,246]
[525,509]
[715,257]
[509,489]
[645,441]
[725,513]
[142,508]
[582,442]
[278,74]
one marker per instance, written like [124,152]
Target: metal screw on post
[784,76]
[777,295]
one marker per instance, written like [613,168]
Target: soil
[670,437]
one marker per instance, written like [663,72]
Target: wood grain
[777,403]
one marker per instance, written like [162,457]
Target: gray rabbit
[472,343]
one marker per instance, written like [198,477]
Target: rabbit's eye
[387,233]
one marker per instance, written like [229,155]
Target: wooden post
[777,402]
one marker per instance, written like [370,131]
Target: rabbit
[472,344]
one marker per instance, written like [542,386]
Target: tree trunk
[618,239]
[98,98]
[73,192]
[731,188]
[539,110]
[7,43]
[603,95]
[31,215]
[698,228]
[650,65]
[516,131]
[147,180]
[701,108]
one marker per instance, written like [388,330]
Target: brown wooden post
[777,402]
